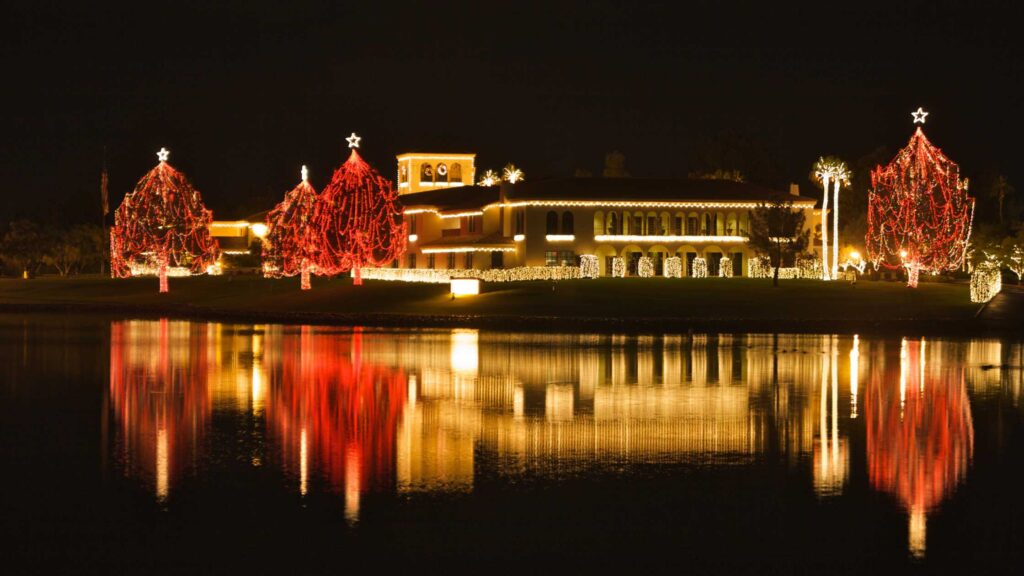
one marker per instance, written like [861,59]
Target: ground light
[465,287]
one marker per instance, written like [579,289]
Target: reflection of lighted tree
[158,376]
[326,403]
[920,436]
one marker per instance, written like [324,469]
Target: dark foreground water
[143,446]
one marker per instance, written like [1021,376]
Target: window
[403,173]
[455,173]
[652,225]
[709,225]
[410,260]
[567,258]
[441,174]
[473,224]
[430,261]
[678,226]
[497,259]
[690,257]
[692,224]
[714,258]
[737,263]
[412,224]
[638,223]
[469,261]
[613,224]
[426,173]
[550,258]
[598,223]
[451,260]
[520,222]
[552,222]
[567,227]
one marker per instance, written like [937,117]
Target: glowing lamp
[259,230]
[465,287]
[855,255]
[519,237]
[413,237]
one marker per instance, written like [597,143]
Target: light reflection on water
[358,411]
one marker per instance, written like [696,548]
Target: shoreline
[951,327]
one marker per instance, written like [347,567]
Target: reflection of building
[551,222]
[920,436]
[158,376]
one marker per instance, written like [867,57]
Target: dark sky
[242,93]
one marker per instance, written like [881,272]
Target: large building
[554,222]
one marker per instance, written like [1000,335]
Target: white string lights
[618,267]
[589,266]
[700,267]
[444,276]
[645,267]
[725,267]
[673,267]
[986,282]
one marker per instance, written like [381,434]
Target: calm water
[172,446]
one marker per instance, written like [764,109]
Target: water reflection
[920,436]
[346,412]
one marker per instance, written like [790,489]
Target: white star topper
[305,173]
[919,115]
[163,154]
[353,141]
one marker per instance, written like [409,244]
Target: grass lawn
[648,298]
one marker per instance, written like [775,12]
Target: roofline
[438,156]
[701,204]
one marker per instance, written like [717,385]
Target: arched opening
[731,225]
[658,254]
[441,173]
[744,225]
[426,173]
[631,254]
[652,224]
[719,224]
[692,224]
[709,224]
[678,224]
[552,224]
[687,254]
[604,258]
[665,224]
[567,223]
[598,223]
[713,255]
[455,173]
[627,224]
[638,223]
[612,224]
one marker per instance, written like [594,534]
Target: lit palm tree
[512,174]
[829,169]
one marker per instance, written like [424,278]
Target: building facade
[554,222]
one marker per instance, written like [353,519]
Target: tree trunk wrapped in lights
[919,213]
[161,225]
[289,248]
[358,220]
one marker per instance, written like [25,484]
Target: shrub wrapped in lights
[618,267]
[589,267]
[700,267]
[162,228]
[673,267]
[645,267]
[725,267]
[986,282]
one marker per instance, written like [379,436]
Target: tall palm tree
[830,169]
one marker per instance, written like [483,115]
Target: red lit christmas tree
[358,219]
[160,227]
[919,213]
[289,246]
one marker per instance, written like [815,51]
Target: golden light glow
[465,287]
[468,249]
[303,462]
[259,230]
[413,238]
[684,238]
[560,237]
[163,465]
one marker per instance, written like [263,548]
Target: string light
[645,267]
[444,276]
[560,237]
[589,266]
[654,238]
[918,209]
[160,226]
[986,282]
[700,267]
[357,221]
[290,247]
[725,267]
[512,174]
[618,267]
[673,267]
[353,140]
[490,178]
[833,170]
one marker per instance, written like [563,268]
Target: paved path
[1007,307]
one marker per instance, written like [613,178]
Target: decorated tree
[289,247]
[833,170]
[919,213]
[358,219]
[160,226]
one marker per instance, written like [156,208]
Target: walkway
[1006,308]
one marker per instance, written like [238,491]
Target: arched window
[598,223]
[552,222]
[441,174]
[426,173]
[666,223]
[403,173]
[455,173]
[692,224]
[652,224]
[719,224]
[731,224]
[709,225]
[567,227]
[613,224]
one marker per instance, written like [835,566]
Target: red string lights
[289,248]
[919,213]
[162,224]
[358,220]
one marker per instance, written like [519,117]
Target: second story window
[567,224]
[552,222]
[412,224]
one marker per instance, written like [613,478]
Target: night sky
[245,92]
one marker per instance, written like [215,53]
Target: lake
[175,446]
